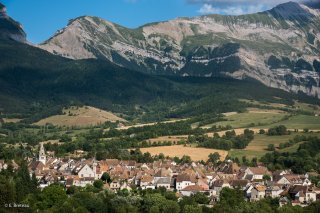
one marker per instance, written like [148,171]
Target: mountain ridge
[279,47]
[9,28]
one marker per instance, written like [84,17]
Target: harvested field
[229,113]
[82,116]
[254,117]
[196,154]
[149,124]
[11,120]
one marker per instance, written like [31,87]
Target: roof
[87,179]
[219,183]
[193,188]
[163,173]
[185,177]
[34,165]
[260,170]
[239,183]
[297,188]
[294,178]
[260,188]
[112,162]
[165,180]
[146,178]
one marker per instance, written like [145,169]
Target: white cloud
[230,10]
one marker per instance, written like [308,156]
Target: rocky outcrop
[10,29]
[279,47]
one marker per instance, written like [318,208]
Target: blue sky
[42,18]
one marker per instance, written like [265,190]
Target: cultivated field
[253,117]
[300,122]
[196,154]
[82,116]
[258,147]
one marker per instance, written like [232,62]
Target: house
[84,181]
[258,192]
[192,189]
[36,167]
[239,184]
[218,185]
[277,175]
[303,194]
[273,191]
[164,182]
[203,183]
[162,173]
[248,190]
[86,171]
[294,179]
[115,185]
[183,180]
[111,163]
[146,180]
[228,168]
[257,172]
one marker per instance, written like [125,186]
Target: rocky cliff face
[10,29]
[279,47]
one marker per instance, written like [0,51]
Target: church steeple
[42,154]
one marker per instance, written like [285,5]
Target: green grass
[257,148]
[307,107]
[250,119]
[291,148]
[260,142]
[300,122]
[239,153]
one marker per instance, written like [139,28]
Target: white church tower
[42,154]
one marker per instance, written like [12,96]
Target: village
[186,179]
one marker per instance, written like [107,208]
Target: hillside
[38,84]
[34,80]
[279,47]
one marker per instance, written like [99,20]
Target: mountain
[36,83]
[279,47]
[9,28]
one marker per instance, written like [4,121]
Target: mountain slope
[279,47]
[38,84]
[10,29]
